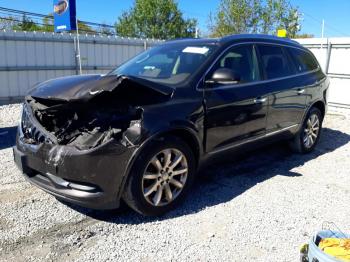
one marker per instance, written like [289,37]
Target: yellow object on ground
[336,247]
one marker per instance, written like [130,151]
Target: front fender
[157,135]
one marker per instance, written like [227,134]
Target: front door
[236,112]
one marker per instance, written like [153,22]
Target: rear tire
[160,177]
[309,134]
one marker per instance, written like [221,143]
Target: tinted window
[275,62]
[242,61]
[303,60]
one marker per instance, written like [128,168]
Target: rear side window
[304,61]
[275,62]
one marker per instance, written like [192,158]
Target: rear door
[287,98]
[235,112]
[310,74]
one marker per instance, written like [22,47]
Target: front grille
[31,133]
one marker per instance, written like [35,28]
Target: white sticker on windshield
[196,50]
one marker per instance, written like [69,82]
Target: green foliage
[254,16]
[159,19]
[7,23]
[26,25]
[84,28]
[47,24]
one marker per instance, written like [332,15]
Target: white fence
[334,57]
[29,58]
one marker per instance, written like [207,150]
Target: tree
[159,19]
[7,23]
[26,25]
[280,14]
[84,28]
[254,16]
[48,24]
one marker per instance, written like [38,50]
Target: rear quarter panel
[318,91]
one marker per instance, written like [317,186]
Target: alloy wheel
[311,131]
[165,177]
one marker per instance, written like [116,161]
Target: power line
[327,25]
[17,16]
[31,14]
[11,19]
[36,18]
[16,20]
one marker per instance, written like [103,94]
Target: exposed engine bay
[97,111]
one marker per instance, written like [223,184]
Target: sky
[336,13]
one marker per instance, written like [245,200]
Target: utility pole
[197,33]
[322,28]
[78,47]
[322,33]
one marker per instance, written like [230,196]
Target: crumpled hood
[85,87]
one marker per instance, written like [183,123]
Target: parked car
[141,132]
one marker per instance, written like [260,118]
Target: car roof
[258,37]
[236,38]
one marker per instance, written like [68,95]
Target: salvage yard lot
[260,207]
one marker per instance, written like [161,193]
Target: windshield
[169,64]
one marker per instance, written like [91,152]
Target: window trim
[201,80]
[258,58]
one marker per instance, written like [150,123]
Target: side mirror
[224,76]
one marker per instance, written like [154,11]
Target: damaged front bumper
[90,178]
[78,135]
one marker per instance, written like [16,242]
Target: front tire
[309,134]
[160,177]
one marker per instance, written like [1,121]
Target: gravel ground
[260,207]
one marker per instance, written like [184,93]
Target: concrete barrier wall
[29,58]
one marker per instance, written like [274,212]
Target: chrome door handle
[260,100]
[300,91]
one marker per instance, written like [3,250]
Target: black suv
[140,132]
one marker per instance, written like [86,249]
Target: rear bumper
[91,178]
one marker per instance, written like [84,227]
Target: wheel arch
[184,133]
[321,106]
[188,137]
